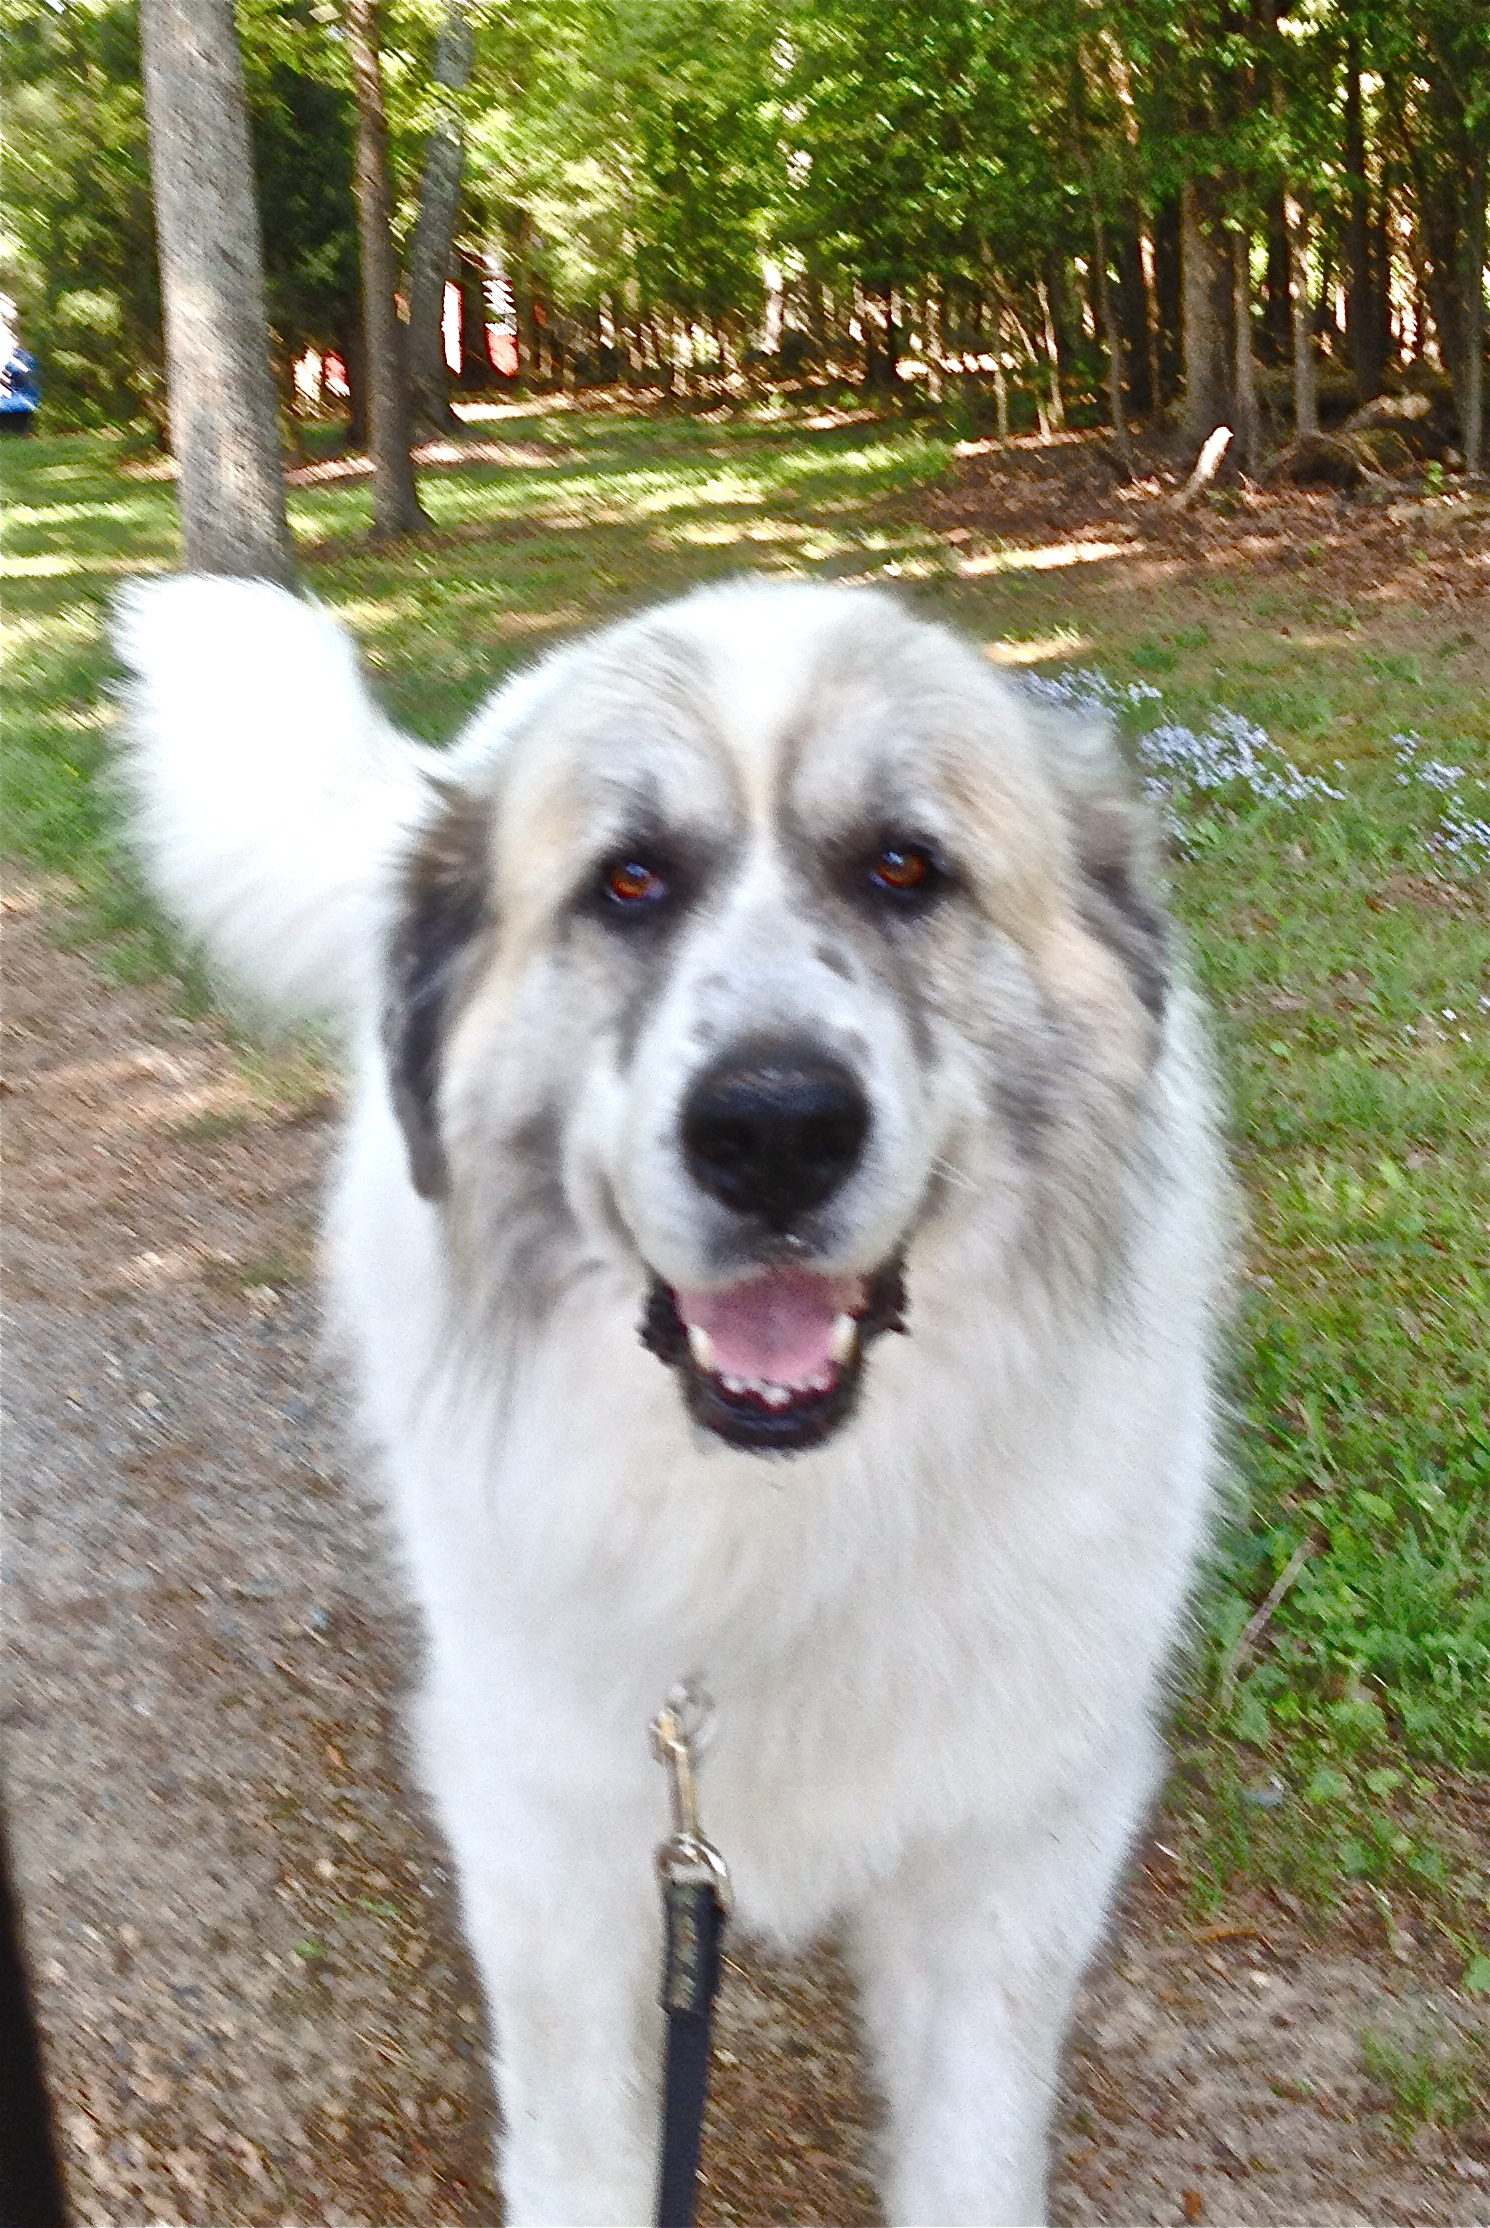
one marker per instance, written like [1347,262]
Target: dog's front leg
[568,1944]
[969,1958]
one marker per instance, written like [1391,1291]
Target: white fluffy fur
[937,1643]
[263,764]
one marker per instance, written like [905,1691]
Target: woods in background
[1181,210]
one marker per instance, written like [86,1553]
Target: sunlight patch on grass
[1040,649]
[722,533]
[370,613]
[1052,558]
[52,565]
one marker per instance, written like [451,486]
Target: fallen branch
[1328,459]
[1206,465]
[1257,1623]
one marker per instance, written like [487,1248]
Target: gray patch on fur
[445,906]
[1117,898]
[538,1233]
[1125,916]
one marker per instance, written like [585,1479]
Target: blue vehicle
[20,391]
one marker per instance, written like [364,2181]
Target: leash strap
[696,1902]
[690,1983]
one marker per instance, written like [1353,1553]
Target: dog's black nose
[774,1131]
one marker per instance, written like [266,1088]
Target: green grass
[1434,2076]
[1360,1120]
[1348,962]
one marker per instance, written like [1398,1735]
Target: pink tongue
[778,1328]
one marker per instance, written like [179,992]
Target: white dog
[752,980]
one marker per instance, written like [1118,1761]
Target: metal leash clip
[696,1901]
[680,1733]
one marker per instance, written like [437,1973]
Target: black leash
[696,1902]
[30,2179]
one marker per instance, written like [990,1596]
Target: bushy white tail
[269,793]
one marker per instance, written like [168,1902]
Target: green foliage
[809,180]
[81,254]
[693,72]
[1435,2075]
[82,239]
[1361,1114]
[304,134]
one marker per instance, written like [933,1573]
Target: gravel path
[256,2004]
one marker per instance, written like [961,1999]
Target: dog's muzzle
[773,1364]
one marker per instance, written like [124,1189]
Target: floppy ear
[1118,894]
[1119,901]
[445,904]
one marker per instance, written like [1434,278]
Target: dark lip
[746,1423]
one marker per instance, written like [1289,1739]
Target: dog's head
[776,928]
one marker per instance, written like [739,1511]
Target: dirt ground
[255,2001]
[1386,549]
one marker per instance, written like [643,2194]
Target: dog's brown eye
[904,871]
[633,886]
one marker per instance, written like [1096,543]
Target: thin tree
[1472,386]
[396,505]
[1202,285]
[1116,367]
[1365,303]
[224,419]
[1305,384]
[434,225]
[1244,364]
[1052,357]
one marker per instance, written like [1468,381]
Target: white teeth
[776,1396]
[845,1332]
[700,1346]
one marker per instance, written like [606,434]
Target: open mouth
[773,1364]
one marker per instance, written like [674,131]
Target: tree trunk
[1305,384]
[1249,432]
[1381,284]
[353,353]
[1140,319]
[1113,334]
[1472,384]
[1168,296]
[1203,289]
[1000,400]
[1276,295]
[1363,323]
[1057,404]
[881,344]
[396,505]
[434,226]
[224,425]
[476,367]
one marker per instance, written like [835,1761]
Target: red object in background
[502,349]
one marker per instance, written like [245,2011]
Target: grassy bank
[1333,877]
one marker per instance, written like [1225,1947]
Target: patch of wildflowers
[1459,835]
[1428,773]
[1463,839]
[1229,752]
[1182,763]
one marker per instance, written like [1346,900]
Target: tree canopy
[676,189]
